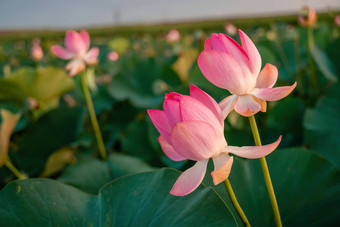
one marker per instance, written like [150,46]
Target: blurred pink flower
[236,68]
[173,36]
[37,53]
[307,17]
[230,28]
[77,49]
[192,127]
[337,20]
[113,56]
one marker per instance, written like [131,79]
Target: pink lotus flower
[337,20]
[113,56]
[192,127]
[230,28]
[37,53]
[173,36]
[236,68]
[307,17]
[77,49]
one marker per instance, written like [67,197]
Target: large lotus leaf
[140,83]
[307,188]
[286,117]
[136,142]
[9,90]
[322,125]
[324,63]
[90,175]
[136,200]
[50,133]
[43,84]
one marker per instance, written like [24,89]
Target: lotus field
[212,124]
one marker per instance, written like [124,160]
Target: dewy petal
[190,179]
[207,44]
[224,71]
[169,150]
[253,152]
[74,67]
[61,52]
[273,94]
[74,42]
[227,105]
[222,164]
[252,52]
[197,140]
[86,38]
[161,123]
[246,105]
[207,100]
[172,108]
[234,49]
[267,77]
[91,56]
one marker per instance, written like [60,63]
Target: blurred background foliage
[54,138]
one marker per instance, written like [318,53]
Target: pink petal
[197,140]
[224,71]
[91,56]
[194,110]
[74,67]
[161,123]
[222,164]
[253,152]
[207,100]
[252,52]
[273,94]
[74,42]
[190,179]
[86,38]
[217,44]
[61,52]
[172,108]
[246,105]
[227,105]
[169,150]
[207,44]
[234,49]
[267,77]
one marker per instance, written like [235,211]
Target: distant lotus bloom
[337,20]
[77,49]
[173,36]
[230,29]
[307,17]
[192,127]
[113,56]
[236,68]
[37,53]
[32,103]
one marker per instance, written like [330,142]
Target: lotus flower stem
[235,203]
[93,117]
[266,174]
[14,170]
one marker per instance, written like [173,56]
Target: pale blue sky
[62,14]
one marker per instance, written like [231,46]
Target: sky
[63,14]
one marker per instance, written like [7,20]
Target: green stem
[14,170]
[235,203]
[266,174]
[93,117]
